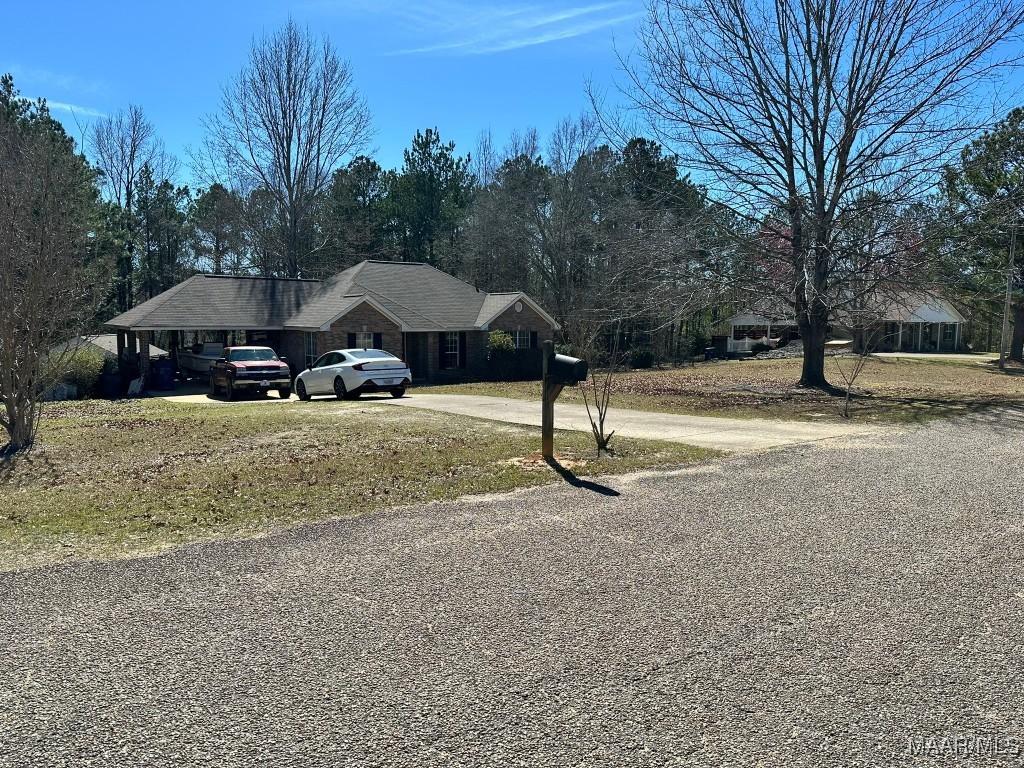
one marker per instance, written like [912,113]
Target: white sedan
[348,373]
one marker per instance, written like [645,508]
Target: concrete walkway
[703,431]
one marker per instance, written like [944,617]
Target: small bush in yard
[82,371]
[499,342]
[501,354]
[642,357]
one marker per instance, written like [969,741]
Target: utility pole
[1004,338]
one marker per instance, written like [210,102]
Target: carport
[230,309]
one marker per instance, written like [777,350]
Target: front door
[416,354]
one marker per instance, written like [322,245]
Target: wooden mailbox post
[558,370]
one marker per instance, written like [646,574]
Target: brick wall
[527,320]
[363,318]
[527,363]
[293,346]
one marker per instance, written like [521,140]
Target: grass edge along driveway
[134,477]
[889,391]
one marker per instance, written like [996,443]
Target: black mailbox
[563,369]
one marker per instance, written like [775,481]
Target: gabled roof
[220,302]
[422,297]
[414,295]
[922,309]
[497,303]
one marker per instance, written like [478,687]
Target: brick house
[435,322]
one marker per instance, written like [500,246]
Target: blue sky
[460,65]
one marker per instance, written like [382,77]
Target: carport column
[920,336]
[899,338]
[144,357]
[956,338]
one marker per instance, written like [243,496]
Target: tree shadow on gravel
[576,482]
[1004,418]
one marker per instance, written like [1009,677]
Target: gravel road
[866,606]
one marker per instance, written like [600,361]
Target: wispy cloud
[466,28]
[74,109]
[37,78]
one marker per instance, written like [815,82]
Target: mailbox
[563,369]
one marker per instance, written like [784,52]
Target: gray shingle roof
[423,298]
[105,343]
[206,302]
[418,296]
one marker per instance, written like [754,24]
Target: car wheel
[229,390]
[339,389]
[285,392]
[300,389]
[398,392]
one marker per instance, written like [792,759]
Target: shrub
[499,342]
[641,357]
[501,355]
[759,348]
[82,371]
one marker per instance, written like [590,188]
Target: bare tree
[286,123]
[597,392]
[122,145]
[47,199]
[792,109]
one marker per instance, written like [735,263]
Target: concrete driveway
[703,431]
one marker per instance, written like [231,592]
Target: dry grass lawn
[110,479]
[888,390]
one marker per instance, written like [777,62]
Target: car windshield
[366,354]
[247,355]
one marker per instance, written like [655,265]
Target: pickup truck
[250,369]
[199,358]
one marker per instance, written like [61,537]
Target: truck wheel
[285,392]
[300,390]
[398,392]
[213,386]
[229,390]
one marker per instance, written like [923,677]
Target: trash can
[163,374]
[709,353]
[110,385]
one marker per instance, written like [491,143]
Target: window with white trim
[310,342]
[521,339]
[451,349]
[364,339]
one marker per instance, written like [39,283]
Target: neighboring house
[908,323]
[916,323]
[742,331]
[435,322]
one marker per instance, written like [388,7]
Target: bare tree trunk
[22,415]
[1017,340]
[812,373]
